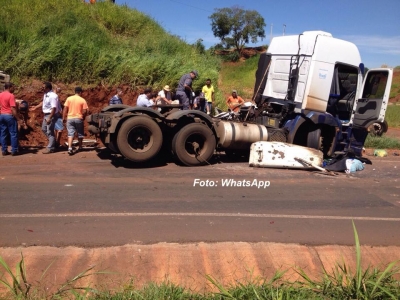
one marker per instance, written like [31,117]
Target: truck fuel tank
[237,135]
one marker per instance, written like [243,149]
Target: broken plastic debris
[380,153]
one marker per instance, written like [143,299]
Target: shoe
[48,151]
[70,151]
[14,153]
[208,113]
[4,153]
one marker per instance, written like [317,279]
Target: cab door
[371,107]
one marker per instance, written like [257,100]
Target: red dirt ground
[96,97]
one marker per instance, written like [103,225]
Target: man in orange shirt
[75,110]
[234,102]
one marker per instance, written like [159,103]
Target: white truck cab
[314,85]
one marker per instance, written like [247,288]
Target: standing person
[116,99]
[165,95]
[234,101]
[58,125]
[75,110]
[50,107]
[8,120]
[208,91]
[185,93]
[144,100]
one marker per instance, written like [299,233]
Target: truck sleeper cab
[312,85]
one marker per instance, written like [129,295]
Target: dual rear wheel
[140,139]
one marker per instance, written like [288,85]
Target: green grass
[382,142]
[392,115]
[69,41]
[238,76]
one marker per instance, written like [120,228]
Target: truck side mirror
[362,68]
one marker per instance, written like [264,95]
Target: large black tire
[114,108]
[139,139]
[314,139]
[194,144]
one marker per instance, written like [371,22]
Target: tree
[237,27]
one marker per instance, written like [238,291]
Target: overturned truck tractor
[310,90]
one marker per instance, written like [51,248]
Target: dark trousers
[8,125]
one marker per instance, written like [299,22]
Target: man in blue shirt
[116,99]
[184,92]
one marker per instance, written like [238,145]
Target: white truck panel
[283,155]
[320,80]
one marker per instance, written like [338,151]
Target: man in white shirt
[144,99]
[165,95]
[51,109]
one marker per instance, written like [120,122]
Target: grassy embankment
[339,283]
[67,41]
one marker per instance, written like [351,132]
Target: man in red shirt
[8,120]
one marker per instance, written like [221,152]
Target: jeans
[75,125]
[48,130]
[8,124]
[202,105]
[209,105]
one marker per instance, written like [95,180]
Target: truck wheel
[378,128]
[114,108]
[113,147]
[139,139]
[314,139]
[194,144]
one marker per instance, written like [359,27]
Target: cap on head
[78,90]
[195,73]
[234,91]
[166,88]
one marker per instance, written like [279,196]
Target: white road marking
[230,215]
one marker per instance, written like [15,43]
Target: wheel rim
[377,127]
[194,144]
[140,139]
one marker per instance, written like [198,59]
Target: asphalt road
[91,200]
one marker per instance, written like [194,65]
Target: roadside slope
[188,264]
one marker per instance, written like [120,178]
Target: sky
[374,26]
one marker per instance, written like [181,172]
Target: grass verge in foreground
[340,283]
